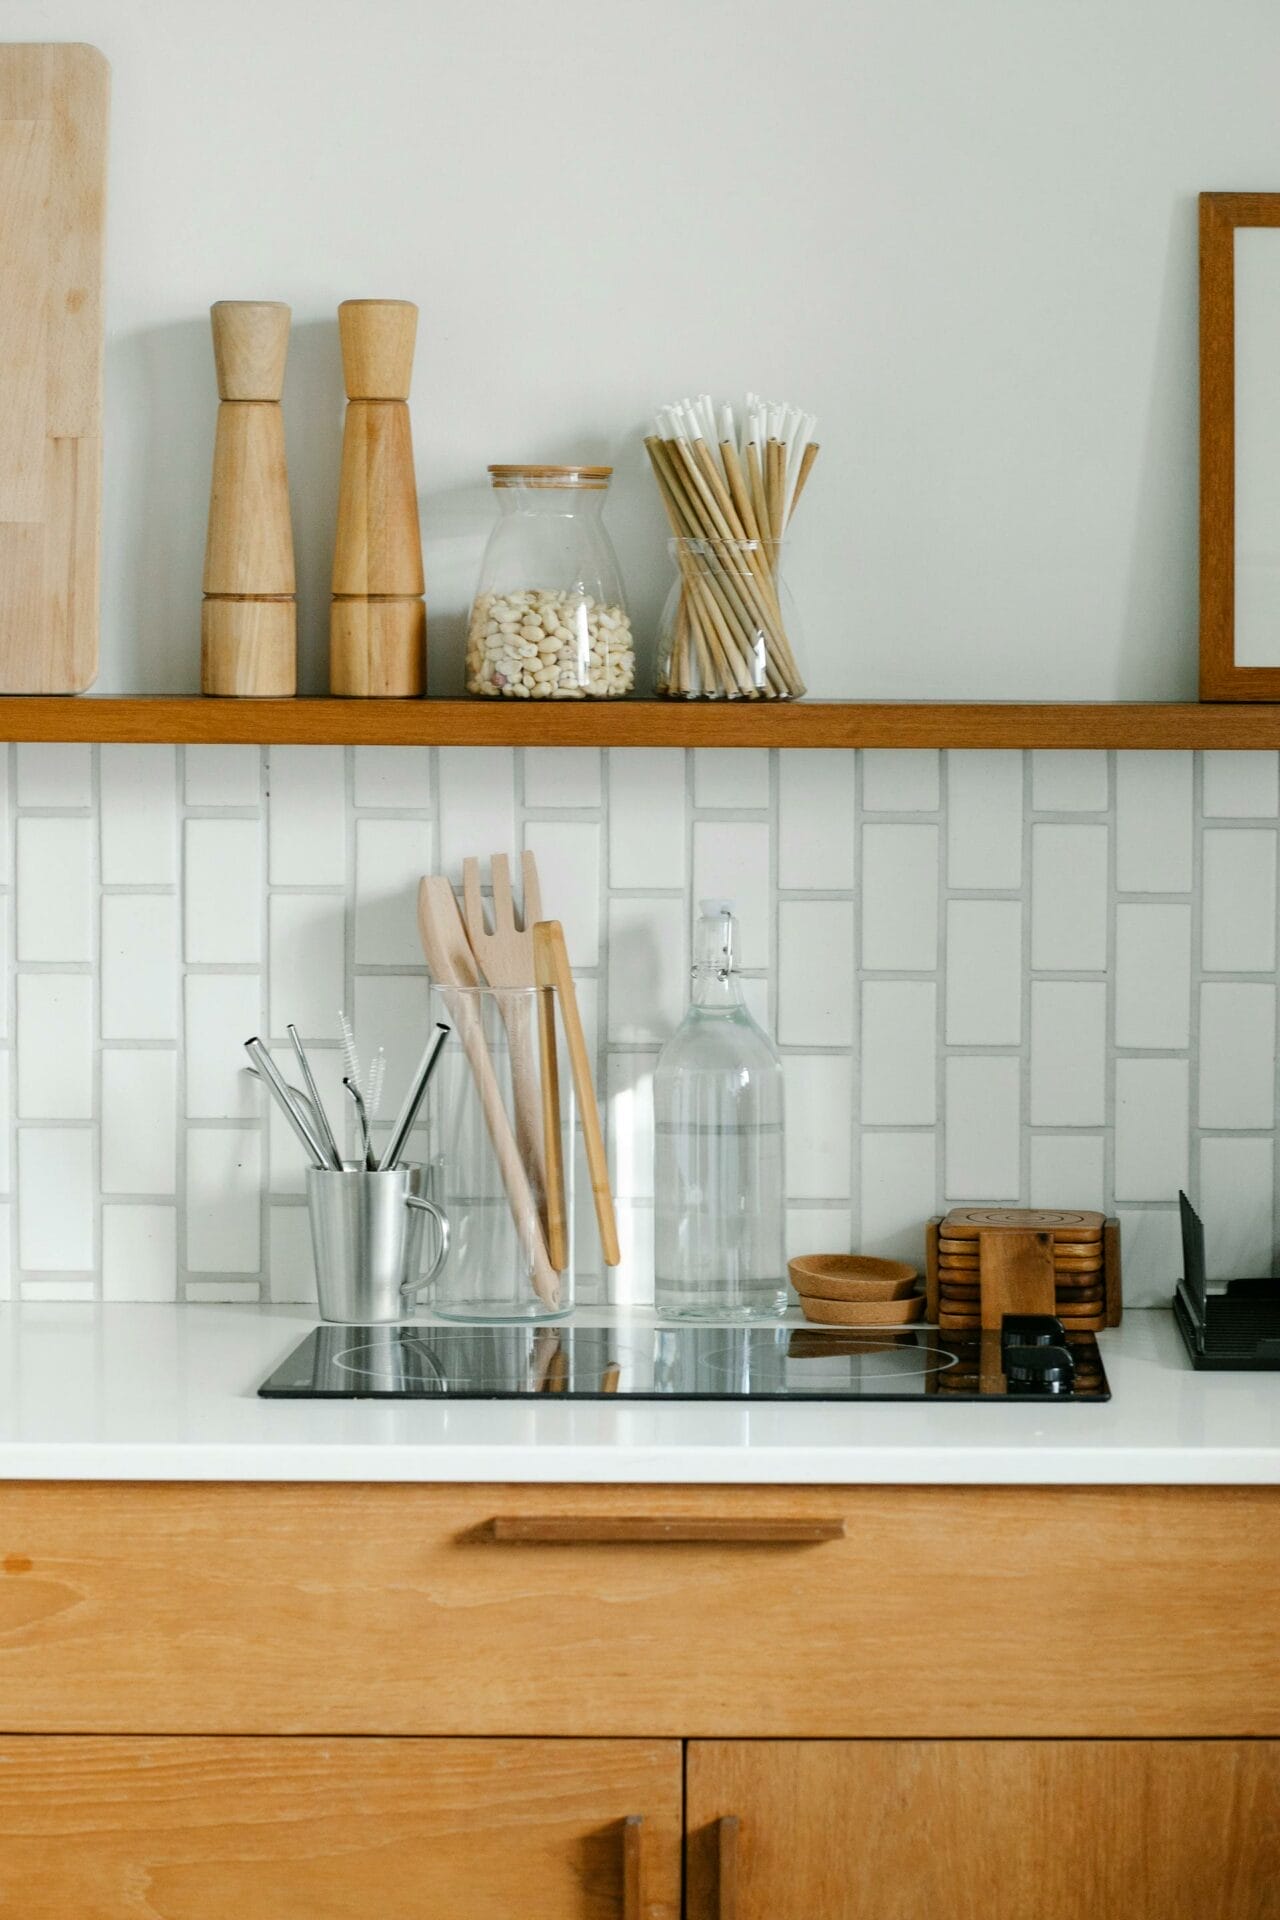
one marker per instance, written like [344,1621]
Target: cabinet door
[984,1829]
[249,1829]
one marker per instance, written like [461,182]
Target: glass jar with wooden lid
[549,620]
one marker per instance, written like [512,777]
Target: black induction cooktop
[1033,1358]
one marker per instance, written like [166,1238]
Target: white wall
[963,233]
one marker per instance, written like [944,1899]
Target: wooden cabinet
[984,1829]
[517,1702]
[182,1829]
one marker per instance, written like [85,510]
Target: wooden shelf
[640,723]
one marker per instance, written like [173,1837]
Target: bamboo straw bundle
[729,494]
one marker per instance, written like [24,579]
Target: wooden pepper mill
[378,622]
[249,625]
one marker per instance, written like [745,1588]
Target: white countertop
[170,1393]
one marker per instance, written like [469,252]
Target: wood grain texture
[250,348]
[377,649]
[377,339]
[1015,1275]
[249,648]
[978,1830]
[253,1609]
[642,723]
[53,154]
[317,1829]
[1220,215]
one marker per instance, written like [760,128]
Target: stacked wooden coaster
[984,1262]
[855,1290]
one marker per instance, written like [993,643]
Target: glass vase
[729,626]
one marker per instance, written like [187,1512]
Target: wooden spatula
[452,964]
[553,970]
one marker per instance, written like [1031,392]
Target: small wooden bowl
[862,1313]
[850,1276]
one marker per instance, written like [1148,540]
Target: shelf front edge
[1139,726]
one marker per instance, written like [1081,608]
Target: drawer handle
[633,1868]
[605,1530]
[727,1867]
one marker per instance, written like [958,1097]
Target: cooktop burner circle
[427,1373]
[870,1355]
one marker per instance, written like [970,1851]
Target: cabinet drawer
[572,1610]
[299,1829]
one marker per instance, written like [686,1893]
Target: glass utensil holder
[492,1113]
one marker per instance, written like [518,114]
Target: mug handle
[412,1288]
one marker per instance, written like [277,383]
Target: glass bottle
[549,620]
[718,1147]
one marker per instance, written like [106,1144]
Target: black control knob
[1040,1370]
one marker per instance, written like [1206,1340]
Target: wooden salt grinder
[378,622]
[249,623]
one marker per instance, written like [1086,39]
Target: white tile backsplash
[730,777]
[307,816]
[1153,822]
[55,1198]
[143,1151]
[817,833]
[899,1070]
[1153,976]
[222,776]
[1068,1053]
[477,804]
[223,1010]
[1151,1129]
[391,857]
[224,1200]
[984,820]
[1239,900]
[647,830]
[815,973]
[1069,782]
[222,918]
[139,1120]
[306,943]
[139,1252]
[983,1133]
[139,816]
[396,777]
[984,973]
[1237,1054]
[1237,1189]
[55,888]
[1068,898]
[902,780]
[55,776]
[819,1109]
[562,777]
[140,970]
[898,1179]
[55,1046]
[900,898]
[1241,786]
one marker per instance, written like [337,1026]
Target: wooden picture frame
[1224,676]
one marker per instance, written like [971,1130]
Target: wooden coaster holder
[984,1262]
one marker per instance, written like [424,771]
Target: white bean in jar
[547,643]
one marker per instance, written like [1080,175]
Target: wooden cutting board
[53,177]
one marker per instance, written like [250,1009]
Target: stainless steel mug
[366,1235]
